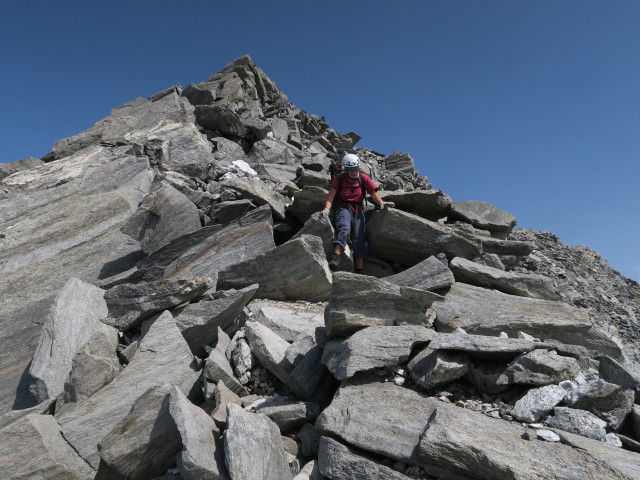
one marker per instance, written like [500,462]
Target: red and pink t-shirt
[349,190]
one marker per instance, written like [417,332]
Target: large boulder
[484,216]
[163,357]
[359,301]
[430,204]
[430,274]
[75,315]
[514,283]
[306,202]
[488,312]
[270,349]
[258,192]
[397,236]
[282,278]
[62,217]
[608,401]
[287,319]
[540,367]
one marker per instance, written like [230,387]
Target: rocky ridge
[185,324]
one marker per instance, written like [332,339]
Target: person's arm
[381,203]
[329,201]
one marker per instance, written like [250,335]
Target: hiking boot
[334,262]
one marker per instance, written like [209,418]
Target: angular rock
[309,440]
[94,366]
[75,315]
[456,441]
[397,236]
[210,250]
[253,447]
[269,348]
[227,212]
[307,201]
[351,307]
[538,402]
[44,408]
[490,260]
[336,461]
[614,372]
[312,181]
[307,372]
[202,454]
[199,322]
[280,278]
[578,421]
[373,347]
[275,172]
[608,401]
[487,312]
[513,283]
[485,216]
[163,357]
[540,367]
[256,191]
[63,217]
[506,247]
[309,472]
[290,416]
[30,163]
[144,444]
[635,420]
[320,226]
[33,447]
[483,346]
[430,368]
[430,204]
[131,304]
[165,215]
[223,396]
[430,274]
[400,162]
[217,368]
[272,151]
[288,320]
[485,377]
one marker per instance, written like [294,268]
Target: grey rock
[613,371]
[65,217]
[30,163]
[429,204]
[269,150]
[220,118]
[217,367]
[398,236]
[430,274]
[73,318]
[373,347]
[309,472]
[312,181]
[490,260]
[487,312]
[608,401]
[165,215]
[483,346]
[280,278]
[336,461]
[269,348]
[253,447]
[578,421]
[307,201]
[290,416]
[538,402]
[320,226]
[202,455]
[276,172]
[430,368]
[226,212]
[485,216]
[131,304]
[286,319]
[144,444]
[522,284]
[612,439]
[400,162]
[256,191]
[210,250]
[223,396]
[199,322]
[163,357]
[547,435]
[44,408]
[319,162]
[455,439]
[307,373]
[32,447]
[485,377]
[506,247]
[635,420]
[94,366]
[540,367]
[350,306]
[309,440]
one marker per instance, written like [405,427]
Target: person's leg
[359,250]
[343,229]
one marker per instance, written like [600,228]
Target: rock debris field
[167,312]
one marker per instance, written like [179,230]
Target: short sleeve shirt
[350,191]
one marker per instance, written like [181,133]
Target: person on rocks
[348,191]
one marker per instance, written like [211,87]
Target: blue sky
[533,106]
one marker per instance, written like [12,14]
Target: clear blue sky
[533,106]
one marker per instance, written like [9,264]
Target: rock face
[165,293]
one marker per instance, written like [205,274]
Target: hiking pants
[346,229]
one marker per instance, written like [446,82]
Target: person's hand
[325,212]
[384,205]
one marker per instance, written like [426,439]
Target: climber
[348,189]
[282,110]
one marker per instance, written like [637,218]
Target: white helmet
[350,161]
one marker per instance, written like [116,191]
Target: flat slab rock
[430,274]
[429,204]
[484,216]
[372,347]
[488,312]
[288,319]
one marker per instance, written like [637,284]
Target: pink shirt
[350,191]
